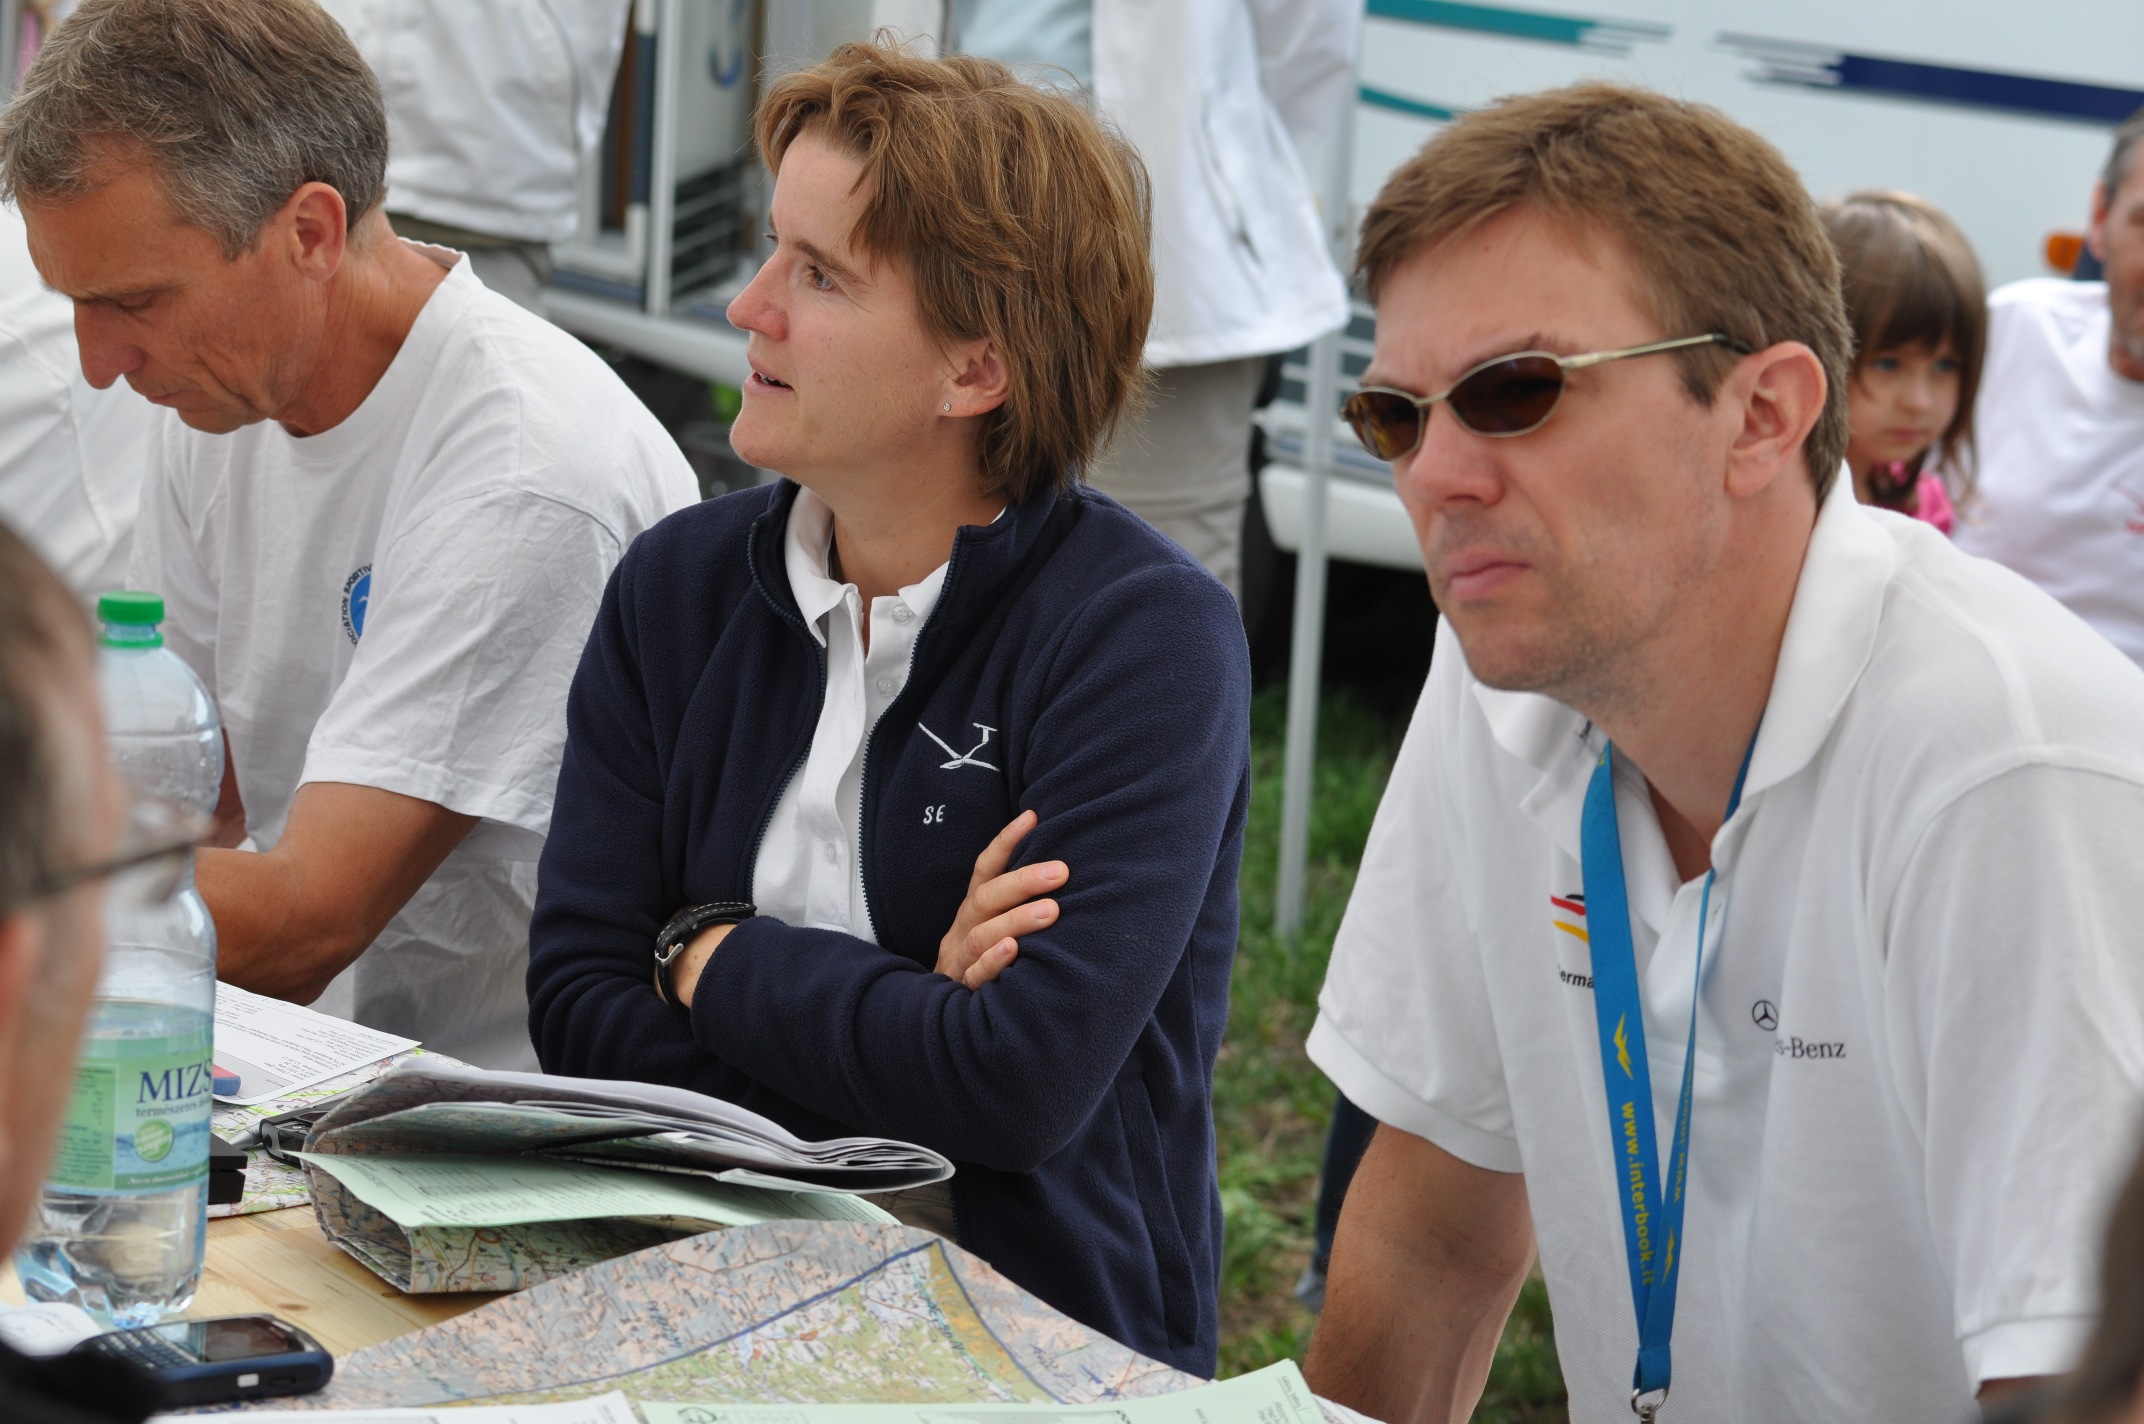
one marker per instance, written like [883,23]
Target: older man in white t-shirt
[381,510]
[2060,421]
[1748,927]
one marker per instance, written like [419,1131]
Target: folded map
[444,1177]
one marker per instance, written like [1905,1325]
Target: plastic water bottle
[123,1218]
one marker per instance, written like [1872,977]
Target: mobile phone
[217,1361]
[283,1136]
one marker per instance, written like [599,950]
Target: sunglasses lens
[1510,397]
[1388,425]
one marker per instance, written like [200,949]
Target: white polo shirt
[1920,1056]
[2060,477]
[809,870]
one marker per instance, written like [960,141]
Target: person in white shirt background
[2060,420]
[1228,102]
[381,506]
[70,455]
[1741,828]
[492,107]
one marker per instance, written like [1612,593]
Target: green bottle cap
[130,606]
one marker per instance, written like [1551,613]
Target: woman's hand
[999,909]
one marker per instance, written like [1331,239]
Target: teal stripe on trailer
[1544,26]
[1401,104]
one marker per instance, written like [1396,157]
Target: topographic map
[273,1185]
[784,1312]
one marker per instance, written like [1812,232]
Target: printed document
[277,1048]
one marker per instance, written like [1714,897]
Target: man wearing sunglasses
[1748,925]
[60,822]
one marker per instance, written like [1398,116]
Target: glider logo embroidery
[966,758]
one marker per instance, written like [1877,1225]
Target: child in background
[1918,305]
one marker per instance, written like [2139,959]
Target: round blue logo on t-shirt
[356,593]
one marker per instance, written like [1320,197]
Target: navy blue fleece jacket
[1075,1093]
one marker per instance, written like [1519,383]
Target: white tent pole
[1306,653]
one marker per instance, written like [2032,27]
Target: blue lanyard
[1652,1204]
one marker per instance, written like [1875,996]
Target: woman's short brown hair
[1024,221]
[1911,279]
[1723,234]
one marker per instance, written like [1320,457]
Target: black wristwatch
[684,927]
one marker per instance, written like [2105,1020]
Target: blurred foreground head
[195,174]
[59,812]
[951,244]
[1568,518]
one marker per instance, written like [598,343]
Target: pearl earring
[948,407]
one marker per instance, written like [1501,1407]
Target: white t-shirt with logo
[2061,469]
[1920,1039]
[401,602]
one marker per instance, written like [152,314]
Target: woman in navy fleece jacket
[972,737]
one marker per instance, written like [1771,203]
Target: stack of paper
[277,1048]
[426,1106]
[443,1177]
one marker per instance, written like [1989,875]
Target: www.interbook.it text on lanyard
[1651,1202]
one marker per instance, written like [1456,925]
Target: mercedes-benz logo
[1764,1014]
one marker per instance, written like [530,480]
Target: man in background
[60,814]
[2060,420]
[1232,104]
[381,504]
[70,455]
[492,108]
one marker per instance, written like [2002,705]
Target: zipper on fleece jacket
[796,622]
[863,771]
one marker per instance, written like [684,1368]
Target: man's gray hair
[234,103]
[2125,142]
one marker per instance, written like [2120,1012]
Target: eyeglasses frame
[188,833]
[1567,363]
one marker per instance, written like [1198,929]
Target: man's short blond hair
[1723,234]
[1023,220]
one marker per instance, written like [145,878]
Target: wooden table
[278,1262]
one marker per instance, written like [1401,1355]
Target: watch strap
[685,926]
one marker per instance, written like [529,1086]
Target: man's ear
[2095,234]
[980,381]
[317,230]
[1779,394]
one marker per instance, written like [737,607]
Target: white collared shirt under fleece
[809,871]
[1920,1033]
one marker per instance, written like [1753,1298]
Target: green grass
[1271,1105]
